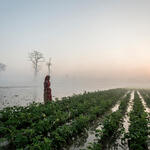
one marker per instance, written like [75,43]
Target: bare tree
[49,65]
[36,57]
[2,67]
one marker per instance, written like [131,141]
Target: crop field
[57,125]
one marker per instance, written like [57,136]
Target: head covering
[47,78]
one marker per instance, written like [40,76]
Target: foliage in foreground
[138,130]
[112,127]
[53,125]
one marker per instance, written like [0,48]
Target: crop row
[112,127]
[41,126]
[146,95]
[57,112]
[64,133]
[70,105]
[138,130]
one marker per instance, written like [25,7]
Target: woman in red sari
[47,90]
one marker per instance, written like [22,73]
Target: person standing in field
[47,90]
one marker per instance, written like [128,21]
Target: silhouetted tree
[2,67]
[36,57]
[49,66]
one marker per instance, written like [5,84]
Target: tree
[36,57]
[49,66]
[2,67]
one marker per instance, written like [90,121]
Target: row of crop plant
[58,112]
[146,95]
[40,126]
[138,130]
[63,134]
[112,127]
[72,106]
[137,135]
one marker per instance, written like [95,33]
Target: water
[19,96]
[22,96]
[126,118]
[116,107]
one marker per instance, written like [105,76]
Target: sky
[89,41]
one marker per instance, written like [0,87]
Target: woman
[47,90]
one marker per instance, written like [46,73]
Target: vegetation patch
[53,125]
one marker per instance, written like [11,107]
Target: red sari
[47,89]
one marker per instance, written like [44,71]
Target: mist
[93,45]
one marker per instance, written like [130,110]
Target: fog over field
[93,44]
[75,74]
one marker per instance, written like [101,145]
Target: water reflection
[20,96]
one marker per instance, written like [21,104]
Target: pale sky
[96,40]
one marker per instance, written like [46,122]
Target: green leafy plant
[54,124]
[138,130]
[112,127]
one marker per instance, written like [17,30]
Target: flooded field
[84,141]
[19,96]
[22,96]
[89,137]
[108,120]
[117,145]
[73,116]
